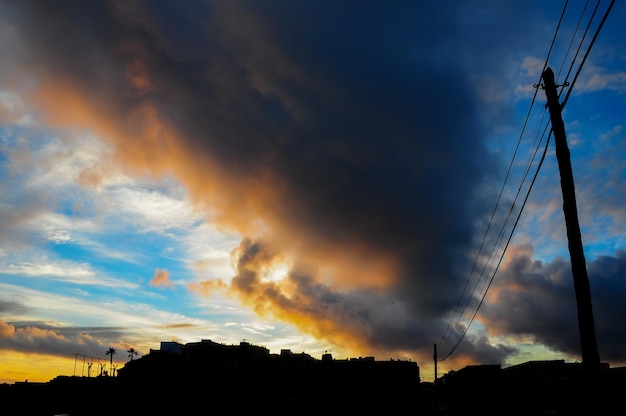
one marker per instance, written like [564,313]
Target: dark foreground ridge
[205,377]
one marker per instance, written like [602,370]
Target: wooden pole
[435,359]
[586,326]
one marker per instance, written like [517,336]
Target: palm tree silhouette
[110,352]
[131,353]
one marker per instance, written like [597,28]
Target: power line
[580,44]
[580,67]
[457,316]
[484,289]
[484,293]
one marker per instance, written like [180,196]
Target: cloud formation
[161,278]
[353,154]
[42,339]
[536,299]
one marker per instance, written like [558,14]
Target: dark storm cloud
[386,152]
[366,121]
[538,299]
[608,289]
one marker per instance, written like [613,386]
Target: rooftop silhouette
[196,377]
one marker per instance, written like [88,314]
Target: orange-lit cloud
[208,287]
[30,335]
[161,278]
[298,299]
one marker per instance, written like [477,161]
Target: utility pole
[586,326]
[435,359]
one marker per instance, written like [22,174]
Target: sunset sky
[312,175]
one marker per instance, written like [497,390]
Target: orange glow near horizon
[41,368]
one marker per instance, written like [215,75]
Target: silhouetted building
[171,346]
[250,375]
[534,387]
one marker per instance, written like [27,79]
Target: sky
[345,177]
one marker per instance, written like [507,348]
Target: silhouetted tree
[131,353]
[111,351]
